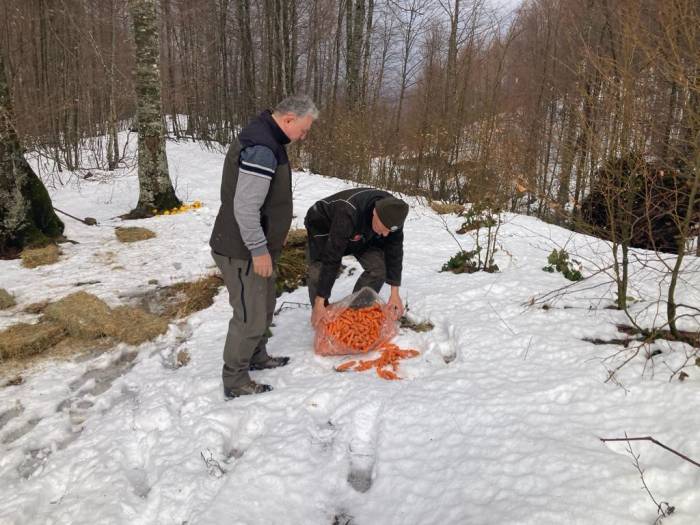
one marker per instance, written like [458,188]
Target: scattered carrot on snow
[389,356]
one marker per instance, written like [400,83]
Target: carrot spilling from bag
[389,357]
[358,324]
[354,330]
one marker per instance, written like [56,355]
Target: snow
[497,421]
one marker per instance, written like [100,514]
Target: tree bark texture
[156,191]
[27,217]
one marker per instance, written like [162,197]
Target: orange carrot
[389,356]
[345,366]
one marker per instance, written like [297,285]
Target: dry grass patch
[445,208]
[65,349]
[183,299]
[183,357]
[83,315]
[7,300]
[33,257]
[291,266]
[14,381]
[135,326]
[81,322]
[297,237]
[416,326]
[36,308]
[24,339]
[133,234]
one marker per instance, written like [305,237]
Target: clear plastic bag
[357,324]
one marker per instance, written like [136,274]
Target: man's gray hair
[299,105]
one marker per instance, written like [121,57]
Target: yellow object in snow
[185,207]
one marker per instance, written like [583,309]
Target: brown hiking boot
[271,362]
[246,390]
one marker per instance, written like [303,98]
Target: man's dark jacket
[342,225]
[276,212]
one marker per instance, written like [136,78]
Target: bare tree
[156,191]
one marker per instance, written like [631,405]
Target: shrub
[559,261]
[461,262]
[476,218]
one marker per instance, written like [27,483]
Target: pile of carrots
[361,330]
[357,328]
[389,356]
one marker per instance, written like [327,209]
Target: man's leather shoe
[246,390]
[272,362]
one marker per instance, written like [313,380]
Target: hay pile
[33,257]
[445,208]
[133,234]
[83,322]
[291,266]
[7,300]
[36,308]
[82,319]
[83,315]
[135,326]
[24,339]
[182,299]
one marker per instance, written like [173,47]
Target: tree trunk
[354,40]
[156,191]
[367,51]
[26,212]
[113,137]
[248,65]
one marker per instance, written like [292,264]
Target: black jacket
[342,225]
[276,212]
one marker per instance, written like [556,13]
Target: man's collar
[280,136]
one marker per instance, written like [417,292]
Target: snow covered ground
[497,421]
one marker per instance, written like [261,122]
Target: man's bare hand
[319,313]
[395,304]
[262,265]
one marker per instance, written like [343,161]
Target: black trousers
[372,261]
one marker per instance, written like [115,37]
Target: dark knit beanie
[392,212]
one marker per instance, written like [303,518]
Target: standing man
[249,232]
[363,222]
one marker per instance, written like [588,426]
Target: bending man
[363,222]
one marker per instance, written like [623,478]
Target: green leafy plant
[477,217]
[461,262]
[559,261]
[482,218]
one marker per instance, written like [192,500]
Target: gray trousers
[253,301]
[372,262]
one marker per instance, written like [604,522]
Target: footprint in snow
[10,414]
[321,429]
[444,343]
[17,433]
[362,446]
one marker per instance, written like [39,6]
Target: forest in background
[446,98]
